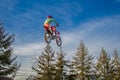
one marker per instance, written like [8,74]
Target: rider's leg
[48,28]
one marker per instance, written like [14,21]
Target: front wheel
[58,41]
[47,37]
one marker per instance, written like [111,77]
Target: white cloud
[93,33]
[29,49]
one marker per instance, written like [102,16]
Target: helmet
[49,17]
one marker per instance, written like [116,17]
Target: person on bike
[47,24]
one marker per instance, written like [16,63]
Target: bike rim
[47,38]
[58,41]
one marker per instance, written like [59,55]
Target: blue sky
[95,22]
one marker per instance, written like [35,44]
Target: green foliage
[82,63]
[104,67]
[45,68]
[8,66]
[60,64]
[116,63]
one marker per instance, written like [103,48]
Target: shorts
[46,26]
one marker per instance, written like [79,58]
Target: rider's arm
[53,20]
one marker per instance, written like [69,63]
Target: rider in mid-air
[51,33]
[47,24]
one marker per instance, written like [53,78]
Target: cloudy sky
[95,22]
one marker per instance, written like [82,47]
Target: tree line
[52,65]
[83,66]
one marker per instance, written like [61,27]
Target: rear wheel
[58,41]
[47,37]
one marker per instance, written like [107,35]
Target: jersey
[50,20]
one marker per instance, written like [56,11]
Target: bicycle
[52,34]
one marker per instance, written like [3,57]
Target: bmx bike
[52,35]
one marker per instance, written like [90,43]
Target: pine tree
[103,67]
[82,62]
[8,66]
[116,63]
[60,65]
[45,67]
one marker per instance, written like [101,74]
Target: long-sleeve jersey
[50,20]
